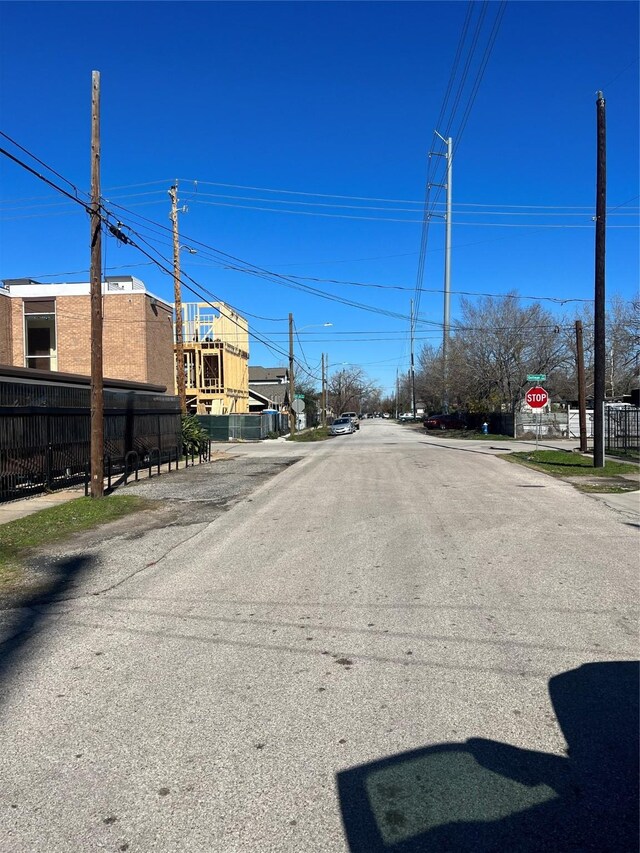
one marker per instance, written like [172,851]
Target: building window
[189,369]
[40,334]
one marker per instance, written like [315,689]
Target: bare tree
[498,341]
[349,389]
[623,346]
[622,349]
[494,345]
[429,378]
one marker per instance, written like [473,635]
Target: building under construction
[216,359]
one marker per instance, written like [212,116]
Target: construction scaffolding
[216,359]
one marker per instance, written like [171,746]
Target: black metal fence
[622,429]
[45,435]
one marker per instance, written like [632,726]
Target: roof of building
[29,374]
[276,392]
[27,288]
[267,374]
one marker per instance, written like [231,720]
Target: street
[251,680]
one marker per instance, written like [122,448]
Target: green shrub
[194,437]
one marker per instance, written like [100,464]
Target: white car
[354,418]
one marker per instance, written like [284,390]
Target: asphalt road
[395,643]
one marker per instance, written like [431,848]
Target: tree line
[496,342]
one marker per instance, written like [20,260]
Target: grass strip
[476,436]
[632,454]
[560,463]
[319,434]
[55,524]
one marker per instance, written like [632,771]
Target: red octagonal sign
[536,397]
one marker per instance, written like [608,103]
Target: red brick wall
[73,328]
[137,339]
[17,333]
[160,360]
[6,347]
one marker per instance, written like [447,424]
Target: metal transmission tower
[447,264]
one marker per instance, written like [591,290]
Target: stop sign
[536,397]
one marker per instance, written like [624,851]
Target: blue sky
[326,100]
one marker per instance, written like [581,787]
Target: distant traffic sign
[299,396]
[298,406]
[536,377]
[536,397]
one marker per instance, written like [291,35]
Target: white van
[354,418]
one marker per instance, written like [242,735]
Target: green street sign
[299,396]
[536,377]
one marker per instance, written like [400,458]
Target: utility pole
[292,386]
[599,332]
[177,298]
[413,373]
[397,393]
[582,390]
[97,388]
[324,395]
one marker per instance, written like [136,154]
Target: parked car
[342,426]
[443,421]
[354,418]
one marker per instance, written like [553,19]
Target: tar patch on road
[199,494]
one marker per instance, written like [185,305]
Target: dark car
[445,422]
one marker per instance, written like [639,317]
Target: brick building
[48,327]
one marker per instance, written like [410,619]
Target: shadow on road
[483,795]
[481,451]
[22,621]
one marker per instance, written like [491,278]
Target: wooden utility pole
[397,395]
[97,395]
[599,330]
[324,395]
[177,299]
[582,390]
[292,386]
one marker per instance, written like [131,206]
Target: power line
[28,168]
[286,281]
[246,268]
[42,163]
[406,221]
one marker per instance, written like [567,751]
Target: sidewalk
[23,507]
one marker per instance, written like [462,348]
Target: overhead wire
[247,268]
[162,264]
[42,163]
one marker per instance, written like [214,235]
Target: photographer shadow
[483,795]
